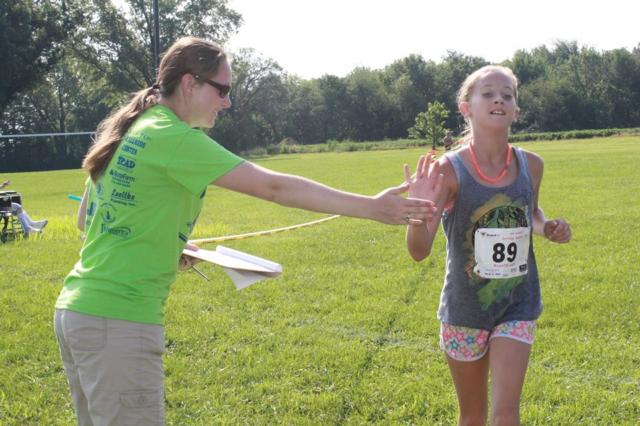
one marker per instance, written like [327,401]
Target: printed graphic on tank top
[498,242]
[491,274]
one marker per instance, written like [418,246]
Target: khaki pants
[114,369]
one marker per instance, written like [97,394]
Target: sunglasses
[223,89]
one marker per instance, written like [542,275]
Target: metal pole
[156,38]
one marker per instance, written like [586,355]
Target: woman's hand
[187,262]
[393,209]
[294,191]
[558,231]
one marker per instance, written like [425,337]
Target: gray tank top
[491,274]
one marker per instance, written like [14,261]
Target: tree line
[69,62]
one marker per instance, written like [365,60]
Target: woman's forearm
[296,191]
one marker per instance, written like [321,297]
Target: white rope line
[259,233]
[37,135]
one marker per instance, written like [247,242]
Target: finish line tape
[259,233]
[243,236]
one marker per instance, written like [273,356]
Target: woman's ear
[516,117]
[463,107]
[187,81]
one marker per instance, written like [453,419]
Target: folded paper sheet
[243,268]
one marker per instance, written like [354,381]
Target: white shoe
[39,225]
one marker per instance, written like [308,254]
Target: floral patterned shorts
[471,344]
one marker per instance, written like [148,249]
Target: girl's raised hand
[558,231]
[427,181]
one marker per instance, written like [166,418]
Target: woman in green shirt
[149,170]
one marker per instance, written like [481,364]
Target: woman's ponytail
[111,130]
[187,55]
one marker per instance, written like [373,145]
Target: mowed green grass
[348,333]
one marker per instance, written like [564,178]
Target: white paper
[244,269]
[243,279]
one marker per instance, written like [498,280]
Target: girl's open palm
[427,181]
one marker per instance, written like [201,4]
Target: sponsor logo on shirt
[120,178]
[108,213]
[125,162]
[120,231]
[129,149]
[99,189]
[123,197]
[134,141]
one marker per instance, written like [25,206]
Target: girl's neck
[490,145]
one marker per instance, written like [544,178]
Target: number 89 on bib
[501,252]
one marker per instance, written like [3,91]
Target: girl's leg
[466,352]
[470,380]
[508,361]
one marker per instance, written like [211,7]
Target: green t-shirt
[140,213]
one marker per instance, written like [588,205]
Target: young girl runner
[487,196]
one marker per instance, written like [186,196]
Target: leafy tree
[305,113]
[119,43]
[453,70]
[410,83]
[259,97]
[106,56]
[31,37]
[369,105]
[623,71]
[528,66]
[430,124]
[334,108]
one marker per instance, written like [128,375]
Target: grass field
[348,334]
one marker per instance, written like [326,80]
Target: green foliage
[120,42]
[348,333]
[259,93]
[573,134]
[430,124]
[99,55]
[94,54]
[31,37]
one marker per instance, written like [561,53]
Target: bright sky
[311,38]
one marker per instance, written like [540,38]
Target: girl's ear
[463,107]
[517,115]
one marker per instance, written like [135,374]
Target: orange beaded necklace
[476,166]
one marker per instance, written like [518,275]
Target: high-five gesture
[427,181]
[397,210]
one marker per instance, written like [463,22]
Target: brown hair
[464,94]
[188,55]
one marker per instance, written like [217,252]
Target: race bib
[501,252]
